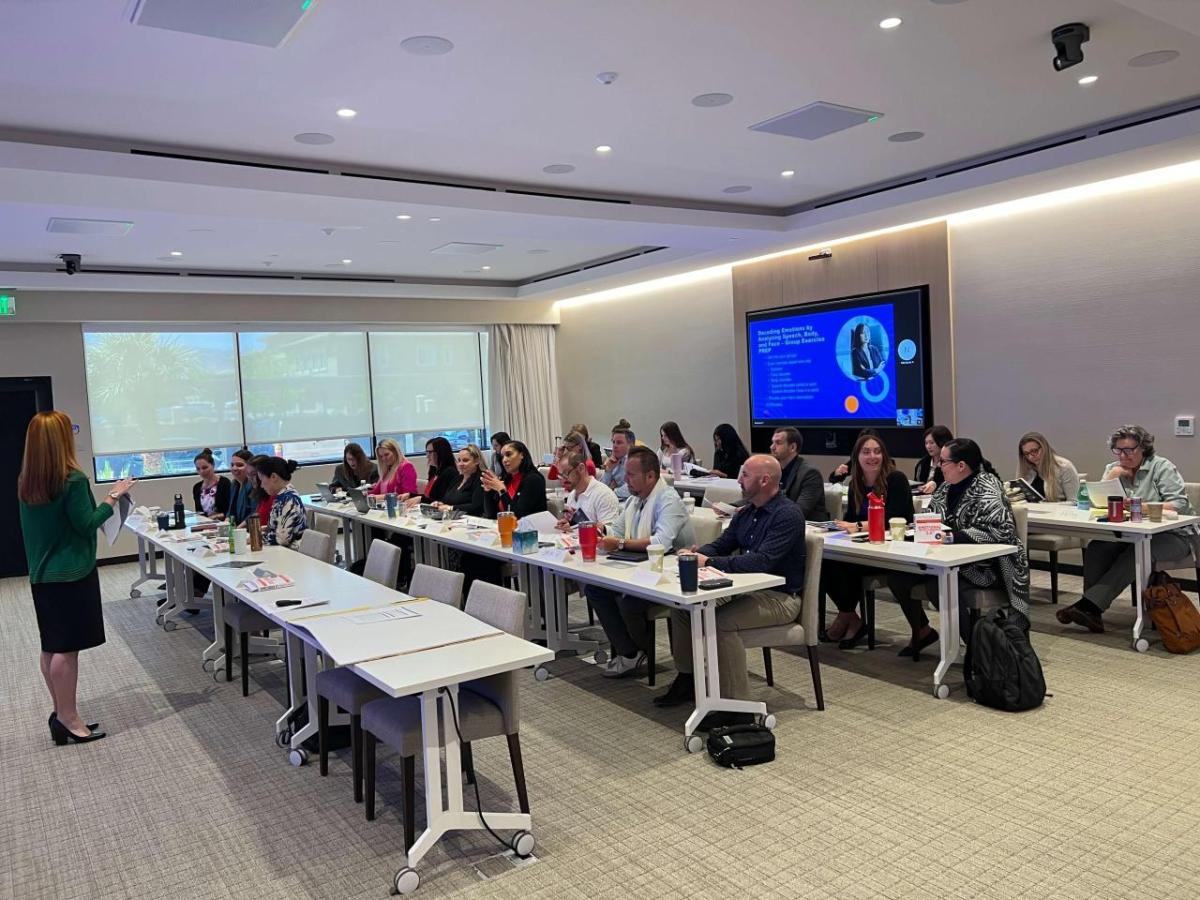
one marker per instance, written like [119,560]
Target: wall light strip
[1123,184]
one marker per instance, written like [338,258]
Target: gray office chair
[707,528]
[1191,562]
[241,620]
[487,707]
[317,544]
[802,632]
[329,525]
[835,501]
[382,564]
[1054,544]
[441,585]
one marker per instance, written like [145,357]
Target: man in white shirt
[589,499]
[653,514]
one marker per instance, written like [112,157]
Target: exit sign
[8,304]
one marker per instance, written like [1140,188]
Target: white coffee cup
[689,503]
[241,541]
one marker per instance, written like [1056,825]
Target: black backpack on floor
[1001,669]
[737,746]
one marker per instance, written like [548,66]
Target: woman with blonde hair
[1051,475]
[59,518]
[396,474]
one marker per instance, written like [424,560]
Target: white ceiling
[517,93]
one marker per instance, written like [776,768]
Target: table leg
[1143,565]
[215,652]
[348,542]
[147,566]
[950,641]
[707,677]
[297,691]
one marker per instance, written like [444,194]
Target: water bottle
[179,513]
[875,513]
[230,528]
[1083,500]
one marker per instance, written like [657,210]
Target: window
[308,452]
[426,381]
[156,399]
[300,386]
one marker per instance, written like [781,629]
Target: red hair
[49,457]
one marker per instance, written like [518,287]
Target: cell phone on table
[712,584]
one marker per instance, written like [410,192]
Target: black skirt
[68,614]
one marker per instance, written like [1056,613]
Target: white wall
[1074,320]
[651,358]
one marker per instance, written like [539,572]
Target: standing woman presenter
[59,518]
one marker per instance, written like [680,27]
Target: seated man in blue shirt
[769,533]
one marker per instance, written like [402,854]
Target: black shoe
[855,639]
[682,690]
[63,735]
[918,644]
[54,717]
[724,719]
[1078,614]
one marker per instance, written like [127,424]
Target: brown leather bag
[1174,615]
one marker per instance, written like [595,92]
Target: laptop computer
[326,492]
[359,499]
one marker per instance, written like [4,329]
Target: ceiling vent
[457,248]
[817,120]
[267,23]
[108,227]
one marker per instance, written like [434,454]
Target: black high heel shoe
[63,735]
[92,726]
[849,643]
[914,649]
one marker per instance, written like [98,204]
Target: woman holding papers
[522,490]
[396,474]
[287,521]
[59,518]
[974,510]
[1051,475]
[1108,566]
[356,469]
[211,493]
[872,473]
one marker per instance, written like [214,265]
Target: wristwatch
[113,495]
[621,544]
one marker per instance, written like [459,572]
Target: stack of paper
[264,580]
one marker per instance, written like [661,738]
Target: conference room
[750,414]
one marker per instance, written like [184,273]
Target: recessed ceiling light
[485,268]
[313,137]
[707,101]
[891,22]
[903,137]
[1154,58]
[558,169]
[736,189]
[177,253]
[403,218]
[1089,79]
[604,148]
[426,45]
[347,113]
[346,262]
[787,173]
[435,218]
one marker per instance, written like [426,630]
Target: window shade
[300,385]
[162,391]
[426,381]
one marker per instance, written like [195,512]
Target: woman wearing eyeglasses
[974,510]
[1051,475]
[1108,566]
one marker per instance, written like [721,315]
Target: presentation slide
[853,362]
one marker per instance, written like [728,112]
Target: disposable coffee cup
[897,526]
[689,503]
[1154,512]
[241,541]
[655,553]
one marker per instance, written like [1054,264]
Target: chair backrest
[383,563]
[498,606]
[1192,488]
[707,528]
[441,585]
[835,501]
[327,524]
[810,604]
[317,544]
[1021,520]
[722,493]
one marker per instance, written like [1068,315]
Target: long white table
[442,649]
[939,561]
[1065,518]
[542,576]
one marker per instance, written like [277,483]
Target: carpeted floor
[886,794]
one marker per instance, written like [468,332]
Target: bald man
[769,532]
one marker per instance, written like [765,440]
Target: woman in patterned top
[287,520]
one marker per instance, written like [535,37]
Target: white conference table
[1065,518]
[941,562]
[431,656]
[542,574]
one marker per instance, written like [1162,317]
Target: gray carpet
[886,794]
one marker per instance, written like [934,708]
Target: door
[20,398]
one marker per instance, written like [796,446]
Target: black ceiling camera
[71,262]
[1068,44]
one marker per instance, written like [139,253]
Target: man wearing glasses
[1108,566]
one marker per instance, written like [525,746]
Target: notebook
[1100,491]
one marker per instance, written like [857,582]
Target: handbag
[1173,614]
[738,746]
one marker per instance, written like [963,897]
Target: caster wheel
[1141,645]
[941,691]
[541,673]
[170,626]
[283,738]
[158,620]
[600,657]
[693,743]
[297,758]
[769,721]
[134,593]
[523,843]
[406,881]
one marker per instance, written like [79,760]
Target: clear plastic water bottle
[1083,500]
